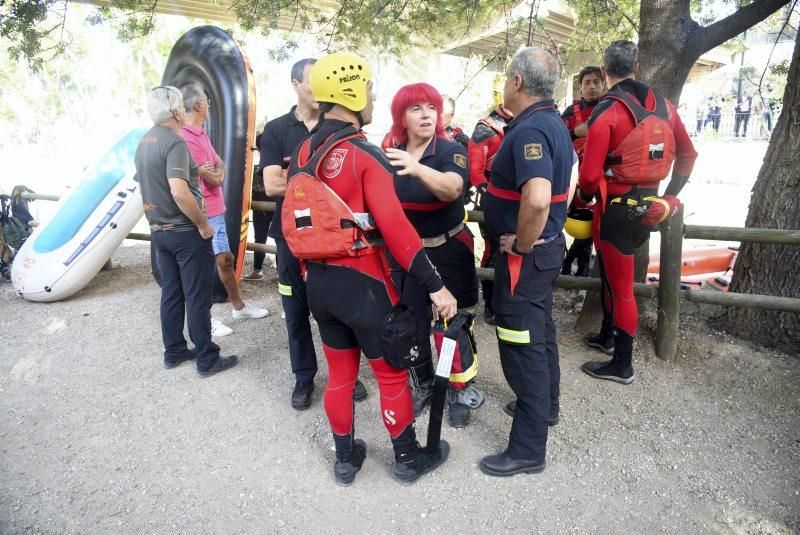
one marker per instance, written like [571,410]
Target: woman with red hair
[432,173]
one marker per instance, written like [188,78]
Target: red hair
[406,97]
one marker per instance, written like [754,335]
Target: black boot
[412,461]
[457,413]
[349,459]
[360,391]
[602,341]
[421,386]
[620,368]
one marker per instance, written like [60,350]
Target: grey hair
[538,69]
[192,93]
[162,101]
[299,67]
[620,58]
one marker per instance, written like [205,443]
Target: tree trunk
[665,52]
[775,203]
[670,42]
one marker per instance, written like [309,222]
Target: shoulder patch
[460,160]
[332,165]
[533,151]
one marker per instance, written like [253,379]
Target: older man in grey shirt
[181,235]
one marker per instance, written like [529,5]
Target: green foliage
[780,69]
[391,26]
[22,23]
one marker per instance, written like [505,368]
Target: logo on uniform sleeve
[533,151]
[460,160]
[333,163]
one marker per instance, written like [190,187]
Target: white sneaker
[249,311]
[219,329]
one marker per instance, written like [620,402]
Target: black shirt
[281,136]
[430,216]
[162,154]
[536,144]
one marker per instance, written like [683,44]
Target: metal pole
[39,196]
[669,286]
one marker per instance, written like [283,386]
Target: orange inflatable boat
[701,268]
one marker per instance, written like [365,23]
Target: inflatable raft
[701,268]
[209,56]
[90,222]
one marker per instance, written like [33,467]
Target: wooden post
[669,286]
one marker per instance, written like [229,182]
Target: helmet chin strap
[360,119]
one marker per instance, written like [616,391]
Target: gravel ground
[97,437]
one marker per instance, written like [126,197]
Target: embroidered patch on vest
[460,160]
[332,165]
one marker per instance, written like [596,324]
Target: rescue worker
[525,209]
[481,150]
[349,295]
[430,181]
[280,138]
[630,115]
[453,133]
[592,83]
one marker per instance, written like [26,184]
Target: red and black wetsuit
[481,150]
[349,296]
[576,114]
[454,133]
[615,235]
[448,243]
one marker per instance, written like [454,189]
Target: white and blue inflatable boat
[91,221]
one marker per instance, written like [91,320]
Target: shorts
[219,242]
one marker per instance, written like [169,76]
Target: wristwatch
[521,253]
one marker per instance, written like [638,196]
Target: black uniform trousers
[526,336]
[261,221]
[292,288]
[186,264]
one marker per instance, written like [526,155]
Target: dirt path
[97,437]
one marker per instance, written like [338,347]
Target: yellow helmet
[497,89]
[579,223]
[341,78]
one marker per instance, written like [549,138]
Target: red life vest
[579,142]
[646,154]
[316,222]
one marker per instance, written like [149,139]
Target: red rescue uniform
[348,296]
[481,150]
[616,235]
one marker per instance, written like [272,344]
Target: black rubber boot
[360,391]
[421,386]
[348,462]
[412,461]
[620,368]
[602,341]
[457,413]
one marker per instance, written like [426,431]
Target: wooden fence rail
[668,292]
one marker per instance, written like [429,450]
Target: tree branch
[745,17]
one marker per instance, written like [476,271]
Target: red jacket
[484,143]
[609,123]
